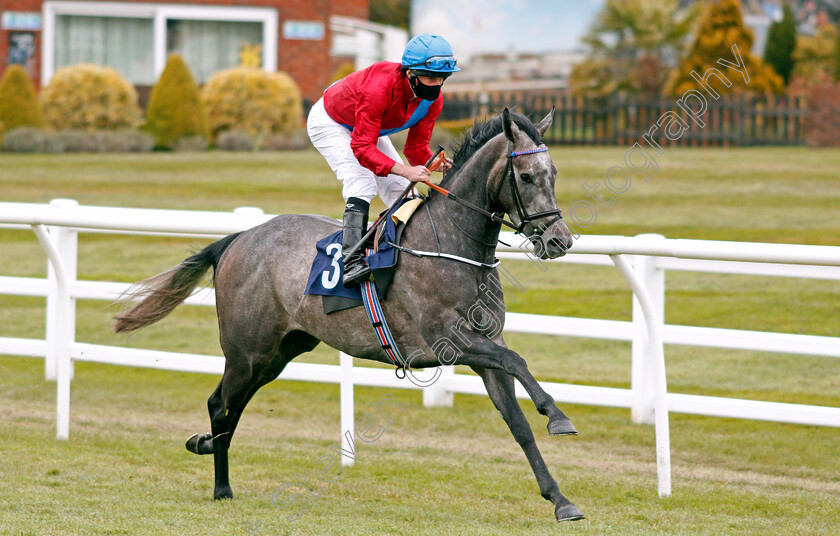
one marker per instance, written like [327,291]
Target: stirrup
[356,273]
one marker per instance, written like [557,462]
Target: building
[516,71]
[135,37]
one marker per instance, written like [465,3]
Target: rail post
[62,338]
[657,367]
[437,395]
[347,405]
[641,378]
[61,331]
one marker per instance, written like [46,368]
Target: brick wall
[307,61]
[359,9]
[34,65]
[823,122]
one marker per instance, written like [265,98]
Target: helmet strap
[412,82]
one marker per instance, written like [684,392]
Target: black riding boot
[356,270]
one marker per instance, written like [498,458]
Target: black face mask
[429,93]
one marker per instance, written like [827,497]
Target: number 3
[330,277]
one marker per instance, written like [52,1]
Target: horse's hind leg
[203,444]
[235,390]
[500,387]
[245,373]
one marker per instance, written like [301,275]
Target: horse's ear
[545,124]
[510,127]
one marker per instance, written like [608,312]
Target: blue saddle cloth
[328,268]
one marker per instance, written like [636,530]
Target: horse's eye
[526,178]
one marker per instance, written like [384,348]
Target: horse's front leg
[501,390]
[479,351]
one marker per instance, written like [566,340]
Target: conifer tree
[175,109]
[19,104]
[781,42]
[721,27]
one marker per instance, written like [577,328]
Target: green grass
[455,470]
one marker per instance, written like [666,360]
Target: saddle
[327,269]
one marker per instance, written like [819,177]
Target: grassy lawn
[125,471]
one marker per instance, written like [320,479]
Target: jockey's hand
[412,173]
[447,164]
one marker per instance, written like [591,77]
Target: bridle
[525,219]
[510,174]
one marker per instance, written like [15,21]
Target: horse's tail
[162,293]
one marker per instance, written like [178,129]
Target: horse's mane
[483,131]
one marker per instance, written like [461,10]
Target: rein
[450,195]
[524,217]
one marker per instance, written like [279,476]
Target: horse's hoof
[223,493]
[568,512]
[561,427]
[198,444]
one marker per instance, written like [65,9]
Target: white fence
[641,260]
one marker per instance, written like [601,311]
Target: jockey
[351,123]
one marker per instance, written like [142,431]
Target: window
[123,44]
[136,38]
[210,46]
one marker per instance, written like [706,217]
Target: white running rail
[641,260]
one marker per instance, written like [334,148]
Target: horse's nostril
[559,243]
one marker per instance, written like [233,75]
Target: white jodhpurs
[333,142]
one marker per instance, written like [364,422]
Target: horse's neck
[460,229]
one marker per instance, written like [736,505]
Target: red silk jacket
[380,98]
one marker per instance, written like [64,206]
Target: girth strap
[380,326]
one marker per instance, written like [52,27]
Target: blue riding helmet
[429,55]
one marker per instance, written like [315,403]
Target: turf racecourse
[446,470]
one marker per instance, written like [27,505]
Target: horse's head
[525,189]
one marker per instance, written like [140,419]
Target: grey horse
[266,320]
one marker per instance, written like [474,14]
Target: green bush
[33,140]
[77,141]
[240,140]
[89,97]
[175,109]
[293,141]
[252,100]
[19,104]
[190,144]
[236,140]
[126,141]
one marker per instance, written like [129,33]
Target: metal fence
[739,120]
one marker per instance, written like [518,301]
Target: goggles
[437,64]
